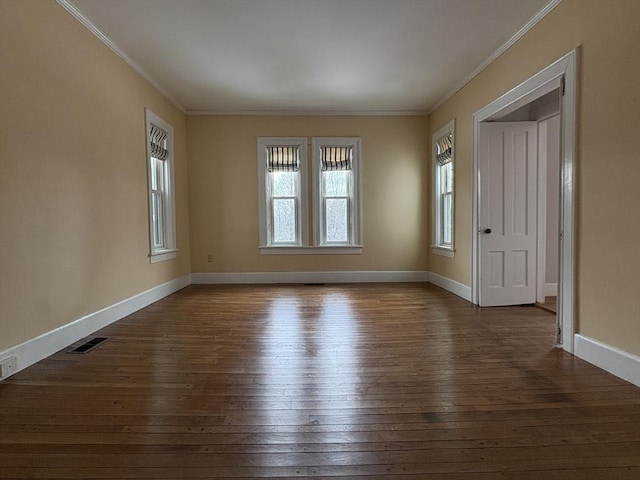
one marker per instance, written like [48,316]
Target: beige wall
[73,187]
[224,204]
[608,162]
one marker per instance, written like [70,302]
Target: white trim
[532,88]
[615,361]
[264,195]
[168,221]
[161,256]
[309,277]
[325,250]
[355,205]
[444,251]
[314,113]
[84,20]
[449,127]
[541,241]
[47,344]
[533,21]
[452,286]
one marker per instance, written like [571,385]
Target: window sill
[163,255]
[443,251]
[313,250]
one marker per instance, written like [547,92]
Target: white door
[507,162]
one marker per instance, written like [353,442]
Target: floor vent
[90,345]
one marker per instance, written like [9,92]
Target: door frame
[560,74]
[543,172]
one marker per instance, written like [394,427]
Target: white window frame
[354,242]
[167,223]
[438,246]
[265,197]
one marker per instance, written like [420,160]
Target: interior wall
[224,204]
[73,189]
[607,232]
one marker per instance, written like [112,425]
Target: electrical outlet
[8,366]
[209,258]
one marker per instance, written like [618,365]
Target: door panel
[507,213]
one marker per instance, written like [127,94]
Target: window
[283,199]
[335,200]
[443,161]
[162,238]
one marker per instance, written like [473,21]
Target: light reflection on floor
[310,353]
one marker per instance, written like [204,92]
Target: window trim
[264,204]
[169,249]
[355,205]
[438,247]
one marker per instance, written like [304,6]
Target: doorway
[559,80]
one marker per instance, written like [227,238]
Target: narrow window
[336,200]
[443,212]
[281,167]
[161,199]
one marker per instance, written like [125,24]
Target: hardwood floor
[393,381]
[550,304]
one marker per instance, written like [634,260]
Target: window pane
[284,184]
[156,218]
[446,219]
[446,172]
[284,220]
[336,219]
[156,180]
[336,183]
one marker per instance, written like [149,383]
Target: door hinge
[562,86]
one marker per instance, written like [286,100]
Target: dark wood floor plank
[389,381]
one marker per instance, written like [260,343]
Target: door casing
[560,74]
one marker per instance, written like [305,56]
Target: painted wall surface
[73,186]
[608,197]
[223,189]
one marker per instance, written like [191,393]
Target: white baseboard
[309,277]
[618,362]
[452,286]
[47,344]
[550,289]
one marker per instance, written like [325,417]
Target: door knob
[487,231]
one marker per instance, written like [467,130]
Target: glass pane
[446,172]
[284,220]
[336,220]
[284,184]
[157,218]
[446,219]
[154,173]
[336,183]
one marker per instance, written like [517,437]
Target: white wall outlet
[8,366]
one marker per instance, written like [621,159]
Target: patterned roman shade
[158,138]
[336,158]
[444,145]
[283,159]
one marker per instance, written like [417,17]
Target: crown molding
[533,21]
[315,113]
[82,18]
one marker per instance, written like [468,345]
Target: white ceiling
[321,56]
